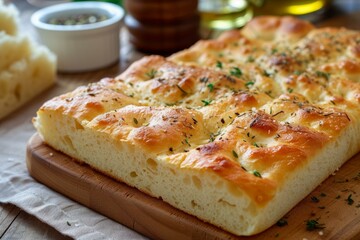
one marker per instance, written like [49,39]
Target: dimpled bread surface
[235,130]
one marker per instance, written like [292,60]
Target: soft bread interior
[195,191]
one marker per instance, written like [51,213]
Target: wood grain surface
[16,223]
[335,204]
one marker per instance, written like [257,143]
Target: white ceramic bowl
[81,47]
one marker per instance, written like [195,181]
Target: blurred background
[227,14]
[164,26]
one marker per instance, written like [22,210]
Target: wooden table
[17,224]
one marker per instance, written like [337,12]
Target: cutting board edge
[174,223]
[131,201]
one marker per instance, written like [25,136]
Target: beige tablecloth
[18,188]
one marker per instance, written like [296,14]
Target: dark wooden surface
[17,224]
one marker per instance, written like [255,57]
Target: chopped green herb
[204,79]
[235,154]
[314,224]
[251,59]
[250,83]
[219,64]
[290,90]
[321,207]
[347,116]
[206,102]
[68,223]
[282,222]
[274,50]
[314,199]
[181,89]
[337,197]
[235,71]
[214,135]
[255,144]
[257,174]
[171,149]
[323,74]
[253,122]
[230,79]
[268,93]
[151,74]
[211,87]
[182,72]
[187,142]
[78,19]
[267,74]
[349,200]
[274,115]
[135,121]
[297,72]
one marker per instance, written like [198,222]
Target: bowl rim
[116,13]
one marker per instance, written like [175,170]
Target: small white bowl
[83,47]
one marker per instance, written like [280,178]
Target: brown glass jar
[162,26]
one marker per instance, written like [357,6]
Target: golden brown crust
[271,28]
[255,107]
[157,130]
[87,102]
[214,116]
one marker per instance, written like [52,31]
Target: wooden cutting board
[335,203]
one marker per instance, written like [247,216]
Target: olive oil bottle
[224,14]
[291,7]
[227,14]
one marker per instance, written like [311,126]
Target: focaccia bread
[26,69]
[235,131]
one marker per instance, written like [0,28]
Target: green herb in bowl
[78,19]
